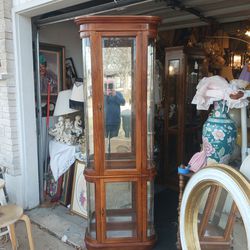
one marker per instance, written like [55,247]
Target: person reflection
[112,101]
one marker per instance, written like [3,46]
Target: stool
[9,215]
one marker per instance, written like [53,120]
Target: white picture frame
[79,191]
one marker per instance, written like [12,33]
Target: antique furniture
[184,67]
[10,214]
[212,233]
[118,58]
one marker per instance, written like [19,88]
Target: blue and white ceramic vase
[219,134]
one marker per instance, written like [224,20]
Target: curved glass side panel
[150,209]
[87,82]
[150,102]
[91,230]
[119,63]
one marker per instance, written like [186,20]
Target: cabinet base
[148,245]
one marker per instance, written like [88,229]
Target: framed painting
[67,186]
[52,68]
[79,191]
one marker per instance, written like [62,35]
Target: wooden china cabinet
[184,68]
[118,58]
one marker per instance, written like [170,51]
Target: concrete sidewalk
[50,225]
[43,240]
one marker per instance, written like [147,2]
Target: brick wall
[9,144]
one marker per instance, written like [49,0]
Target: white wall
[65,34]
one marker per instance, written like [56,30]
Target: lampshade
[62,103]
[77,96]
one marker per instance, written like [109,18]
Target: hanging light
[247,33]
[237,61]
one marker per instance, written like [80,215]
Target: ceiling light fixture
[247,33]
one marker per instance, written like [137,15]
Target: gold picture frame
[79,191]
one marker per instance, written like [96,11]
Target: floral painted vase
[219,134]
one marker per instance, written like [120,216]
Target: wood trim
[138,96]
[97,80]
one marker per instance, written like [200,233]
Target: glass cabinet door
[172,113]
[119,63]
[194,75]
[194,118]
[121,209]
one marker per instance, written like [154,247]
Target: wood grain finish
[132,169]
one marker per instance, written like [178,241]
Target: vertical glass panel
[87,82]
[91,210]
[150,209]
[121,209]
[150,102]
[194,118]
[173,80]
[119,60]
[173,88]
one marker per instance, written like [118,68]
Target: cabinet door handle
[102,212]
[99,106]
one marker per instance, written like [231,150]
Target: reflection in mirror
[220,223]
[119,106]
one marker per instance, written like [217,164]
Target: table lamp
[77,97]
[62,103]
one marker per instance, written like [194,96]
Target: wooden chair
[9,215]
